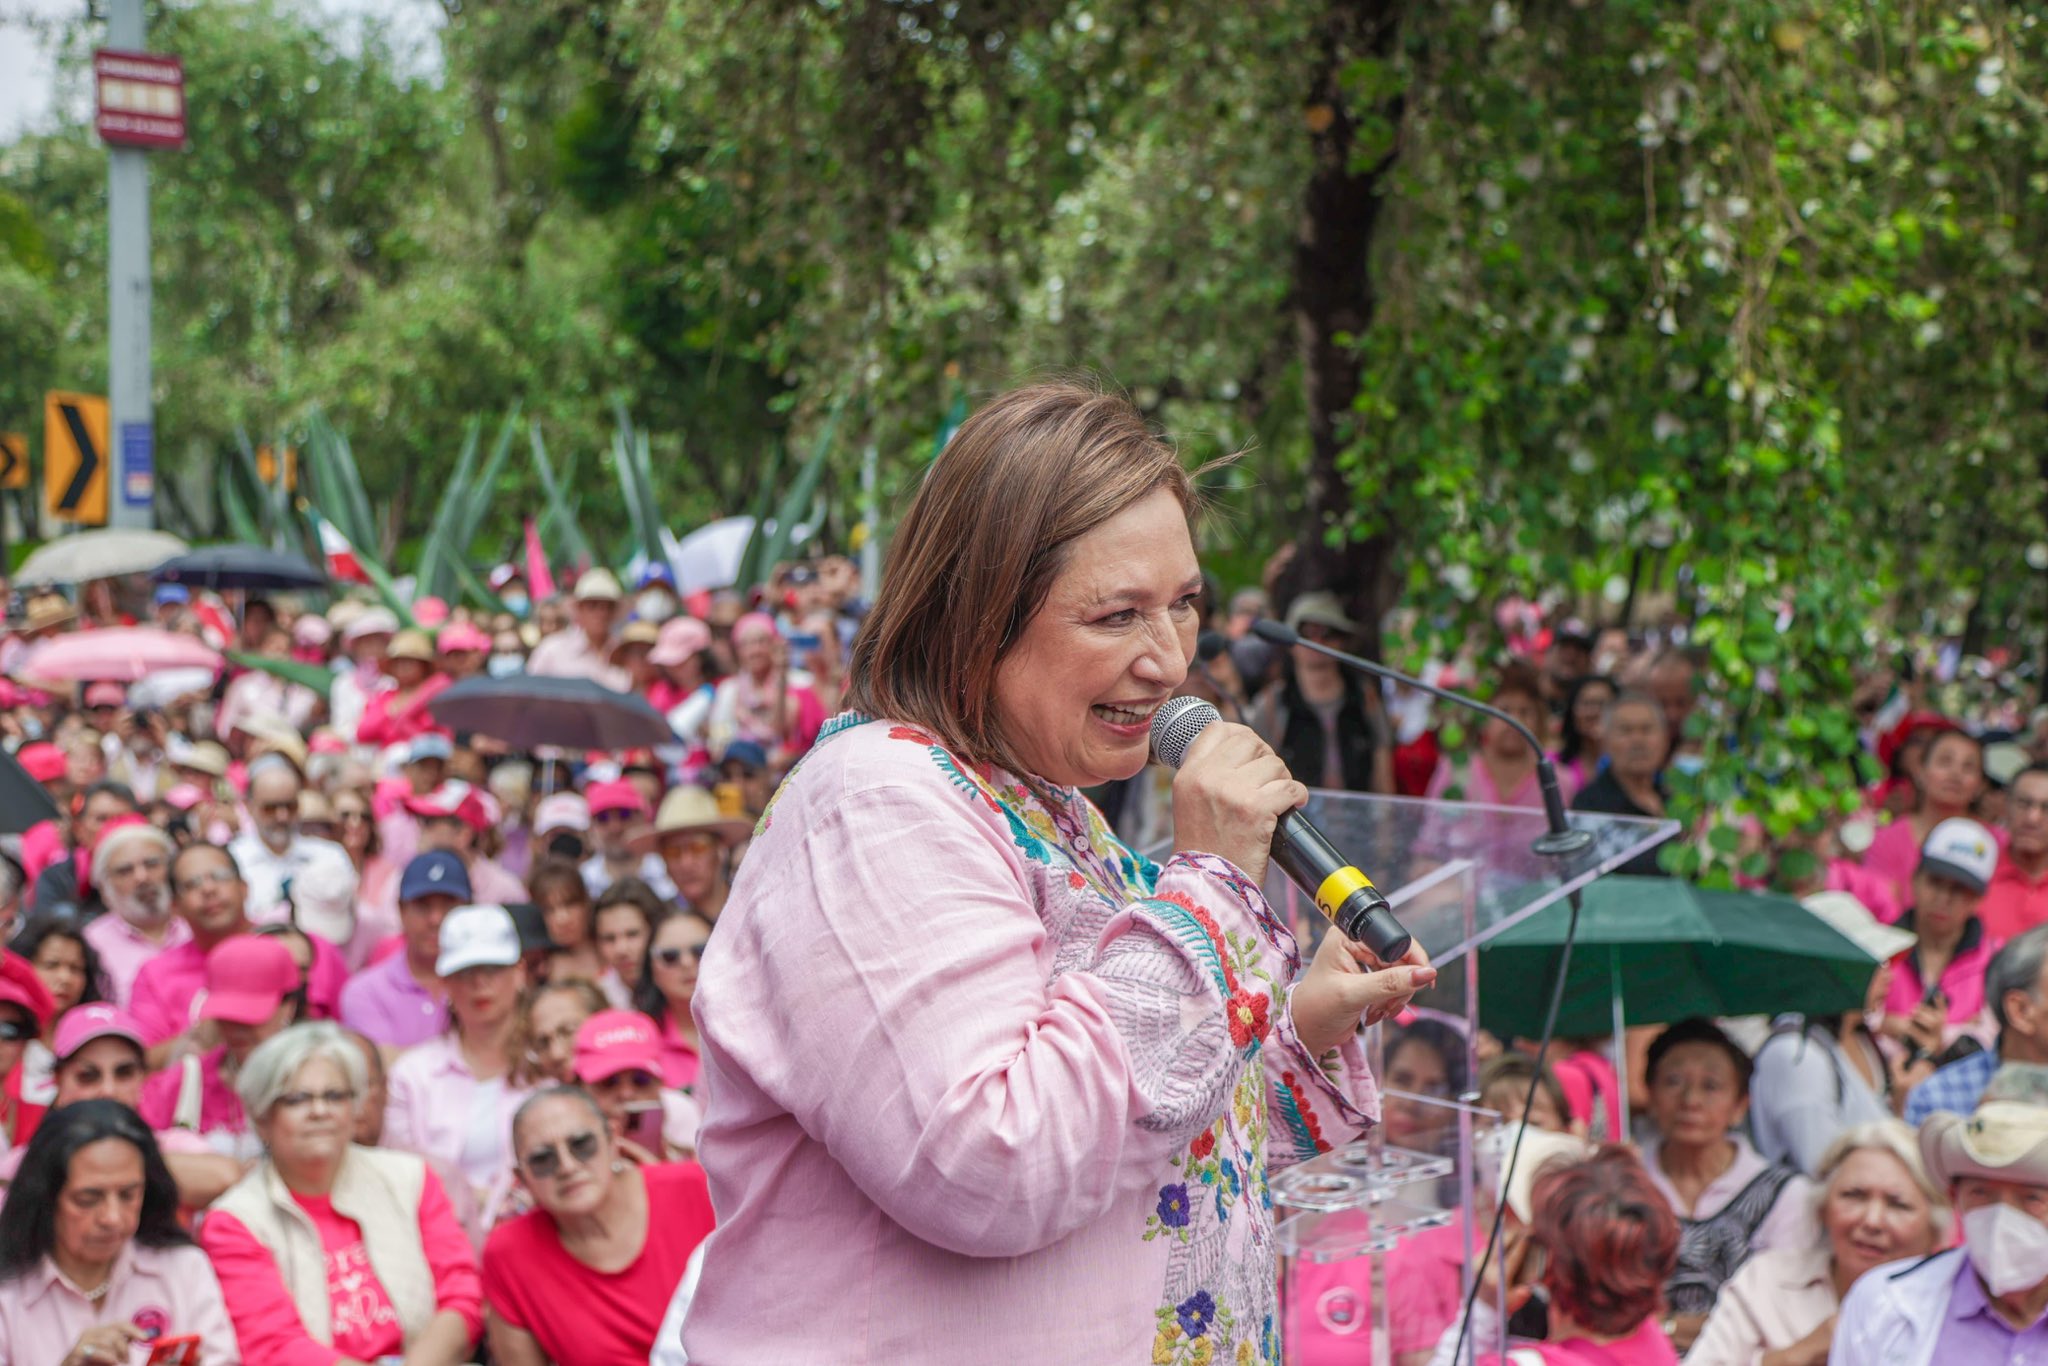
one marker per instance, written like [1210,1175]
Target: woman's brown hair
[982,543]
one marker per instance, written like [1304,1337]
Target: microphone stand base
[1563,843]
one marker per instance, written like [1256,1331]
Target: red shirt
[583,1317]
[2014,902]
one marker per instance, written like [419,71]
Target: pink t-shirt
[583,1317]
[220,1109]
[1329,1305]
[678,1058]
[365,1326]
[1962,981]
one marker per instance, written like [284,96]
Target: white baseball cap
[1962,851]
[477,936]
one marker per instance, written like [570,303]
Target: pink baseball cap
[754,623]
[42,761]
[461,636]
[82,1024]
[618,795]
[105,695]
[680,639]
[312,630]
[247,978]
[430,611]
[184,796]
[615,1041]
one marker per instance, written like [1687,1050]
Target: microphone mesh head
[1175,726]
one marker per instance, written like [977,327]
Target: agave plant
[772,539]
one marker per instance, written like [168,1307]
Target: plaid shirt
[1954,1089]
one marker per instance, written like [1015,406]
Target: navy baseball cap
[746,752]
[439,873]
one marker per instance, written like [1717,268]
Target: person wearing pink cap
[252,994]
[131,867]
[24,1014]
[463,646]
[765,700]
[618,811]
[99,1057]
[679,654]
[618,1059]
[451,817]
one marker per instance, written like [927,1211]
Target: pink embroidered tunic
[985,1085]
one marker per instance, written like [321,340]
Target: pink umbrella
[120,653]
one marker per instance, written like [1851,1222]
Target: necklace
[98,1292]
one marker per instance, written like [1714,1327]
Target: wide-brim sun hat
[2002,1140]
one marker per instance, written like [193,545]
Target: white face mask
[2008,1247]
[517,604]
[654,605]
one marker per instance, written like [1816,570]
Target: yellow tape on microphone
[1338,887]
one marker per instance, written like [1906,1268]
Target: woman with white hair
[1875,1204]
[326,1247]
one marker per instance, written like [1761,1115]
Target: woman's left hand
[1346,986]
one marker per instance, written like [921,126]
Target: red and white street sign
[141,99]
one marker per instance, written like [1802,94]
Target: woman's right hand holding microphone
[1228,798]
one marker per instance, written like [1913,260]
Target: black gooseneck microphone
[1310,861]
[1562,839]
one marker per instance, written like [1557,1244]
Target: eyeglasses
[332,1099]
[285,808]
[213,877]
[16,1031]
[672,955]
[633,1076]
[545,1164]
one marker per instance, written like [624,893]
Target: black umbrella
[527,711]
[239,566]
[22,799]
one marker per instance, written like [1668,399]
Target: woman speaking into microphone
[983,1083]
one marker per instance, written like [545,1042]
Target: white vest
[381,1191]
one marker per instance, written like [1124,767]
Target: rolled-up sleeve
[988,1104]
[458,1287]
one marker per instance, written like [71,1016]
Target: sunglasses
[633,1076]
[545,1164]
[671,956]
[16,1031]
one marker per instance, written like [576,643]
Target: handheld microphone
[1310,861]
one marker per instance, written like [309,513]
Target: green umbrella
[1651,950]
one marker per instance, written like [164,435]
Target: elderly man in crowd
[1986,1301]
[583,650]
[275,851]
[131,866]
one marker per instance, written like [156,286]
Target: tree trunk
[1333,298]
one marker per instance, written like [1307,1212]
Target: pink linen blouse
[984,1084]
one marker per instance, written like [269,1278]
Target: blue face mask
[504,666]
[1688,763]
[518,604]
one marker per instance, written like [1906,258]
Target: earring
[618,1164]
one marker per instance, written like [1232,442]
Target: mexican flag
[342,564]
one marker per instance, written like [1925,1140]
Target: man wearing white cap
[583,649]
[1985,1302]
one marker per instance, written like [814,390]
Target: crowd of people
[329,1035]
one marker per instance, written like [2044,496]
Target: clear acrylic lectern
[1457,874]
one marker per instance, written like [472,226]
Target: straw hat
[691,808]
[412,645]
[2003,1141]
[644,633]
[46,611]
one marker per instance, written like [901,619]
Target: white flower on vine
[1861,151]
